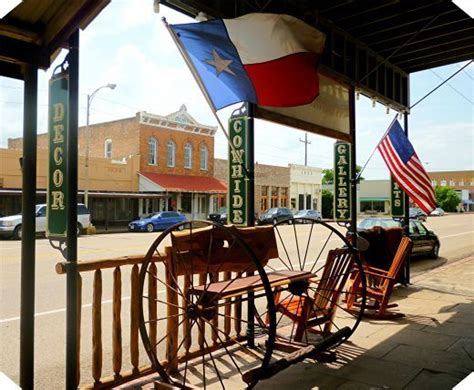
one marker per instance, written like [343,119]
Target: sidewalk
[433,347]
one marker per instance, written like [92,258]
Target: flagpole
[373,151]
[191,67]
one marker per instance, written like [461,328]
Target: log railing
[120,374]
[122,371]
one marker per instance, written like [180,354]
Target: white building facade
[305,187]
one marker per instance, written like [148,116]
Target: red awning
[182,183]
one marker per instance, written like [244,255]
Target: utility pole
[306,142]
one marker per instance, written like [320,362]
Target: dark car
[156,221]
[220,216]
[417,213]
[307,214]
[425,242]
[275,215]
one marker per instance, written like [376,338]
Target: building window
[452,183]
[443,182]
[274,198]
[264,198]
[152,151]
[284,197]
[108,148]
[188,155]
[203,157]
[434,183]
[171,153]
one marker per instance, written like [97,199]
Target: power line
[466,72]
[454,89]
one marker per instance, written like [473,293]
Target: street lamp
[88,139]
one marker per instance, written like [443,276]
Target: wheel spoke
[212,358]
[307,244]
[322,249]
[284,248]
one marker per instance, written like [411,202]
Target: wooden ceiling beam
[402,34]
[463,53]
[8,69]
[428,41]
[23,34]
[16,51]
[427,50]
[398,19]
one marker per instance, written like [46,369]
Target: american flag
[406,167]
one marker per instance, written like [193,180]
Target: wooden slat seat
[227,289]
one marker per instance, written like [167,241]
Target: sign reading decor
[237,184]
[342,181]
[57,139]
[398,199]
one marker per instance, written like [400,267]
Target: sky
[127,44]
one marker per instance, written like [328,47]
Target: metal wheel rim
[268,293]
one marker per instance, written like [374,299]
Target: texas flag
[266,59]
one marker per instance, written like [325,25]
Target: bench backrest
[336,270]
[213,249]
[404,249]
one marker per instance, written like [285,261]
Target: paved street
[456,233]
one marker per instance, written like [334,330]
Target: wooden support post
[172,322]
[97,327]
[117,323]
[134,323]
[152,295]
[28,244]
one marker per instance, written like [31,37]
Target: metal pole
[72,345]
[250,168]
[27,309]
[406,275]
[352,130]
[88,143]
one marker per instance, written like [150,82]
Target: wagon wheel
[193,335]
[304,310]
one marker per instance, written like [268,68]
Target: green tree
[447,198]
[328,175]
[327,204]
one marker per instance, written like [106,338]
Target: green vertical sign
[57,140]
[397,199]
[342,181]
[237,184]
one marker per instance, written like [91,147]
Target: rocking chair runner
[381,291]
[314,310]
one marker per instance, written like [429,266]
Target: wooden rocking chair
[314,310]
[378,294]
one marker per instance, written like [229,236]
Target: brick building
[176,155]
[296,186]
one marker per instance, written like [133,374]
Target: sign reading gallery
[57,139]
[342,181]
[237,184]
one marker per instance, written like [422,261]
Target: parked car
[425,242]
[437,212]
[220,216]
[275,215]
[417,213]
[11,226]
[308,214]
[156,221]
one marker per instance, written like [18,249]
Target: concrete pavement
[433,347]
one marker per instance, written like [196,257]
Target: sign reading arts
[342,181]
[57,138]
[237,184]
[397,199]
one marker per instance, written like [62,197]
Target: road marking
[459,234]
[45,313]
